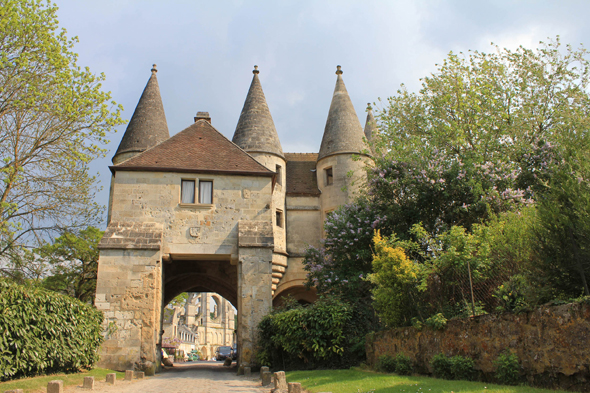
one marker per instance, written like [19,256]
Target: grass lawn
[39,384]
[355,381]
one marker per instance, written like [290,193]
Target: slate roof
[198,148]
[301,175]
[147,126]
[343,132]
[256,130]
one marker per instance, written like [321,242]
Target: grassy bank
[356,381]
[39,384]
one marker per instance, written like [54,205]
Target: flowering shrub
[341,263]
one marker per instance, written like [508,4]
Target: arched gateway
[196,212]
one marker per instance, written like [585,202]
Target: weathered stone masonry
[552,343]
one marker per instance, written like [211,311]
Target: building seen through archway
[203,323]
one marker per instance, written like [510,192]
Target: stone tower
[339,175]
[370,124]
[257,135]
[147,126]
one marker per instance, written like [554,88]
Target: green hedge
[44,332]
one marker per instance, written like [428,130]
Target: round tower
[257,135]
[147,127]
[339,174]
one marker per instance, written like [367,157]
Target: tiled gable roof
[198,148]
[301,175]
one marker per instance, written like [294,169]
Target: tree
[74,260]
[53,119]
[563,231]
[479,137]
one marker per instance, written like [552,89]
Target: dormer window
[329,175]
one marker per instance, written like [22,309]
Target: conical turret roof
[256,131]
[343,132]
[370,125]
[147,126]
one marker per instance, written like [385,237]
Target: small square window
[187,191]
[206,191]
[279,218]
[329,176]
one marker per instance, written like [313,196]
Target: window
[205,191]
[279,217]
[329,176]
[279,175]
[187,192]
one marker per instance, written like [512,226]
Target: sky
[205,52]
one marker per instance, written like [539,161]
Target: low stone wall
[552,344]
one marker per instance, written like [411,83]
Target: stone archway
[297,291]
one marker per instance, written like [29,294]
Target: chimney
[203,116]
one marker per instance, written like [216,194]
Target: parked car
[223,352]
[193,355]
[234,352]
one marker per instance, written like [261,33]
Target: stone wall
[129,291]
[552,344]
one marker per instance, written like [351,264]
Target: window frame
[329,176]
[279,218]
[197,193]
[279,171]
[210,196]
[182,181]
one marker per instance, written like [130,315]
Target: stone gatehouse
[197,212]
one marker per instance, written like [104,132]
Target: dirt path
[197,377]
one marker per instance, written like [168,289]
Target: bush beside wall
[43,332]
[552,344]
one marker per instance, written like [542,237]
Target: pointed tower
[342,140]
[147,126]
[370,125]
[256,134]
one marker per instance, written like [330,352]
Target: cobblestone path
[193,377]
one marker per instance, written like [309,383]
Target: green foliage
[395,281]
[513,295]
[54,119]
[441,366]
[311,336]
[74,260]
[456,367]
[463,368]
[386,363]
[458,164]
[436,321]
[507,368]
[344,259]
[179,300]
[403,364]
[44,332]
[563,233]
